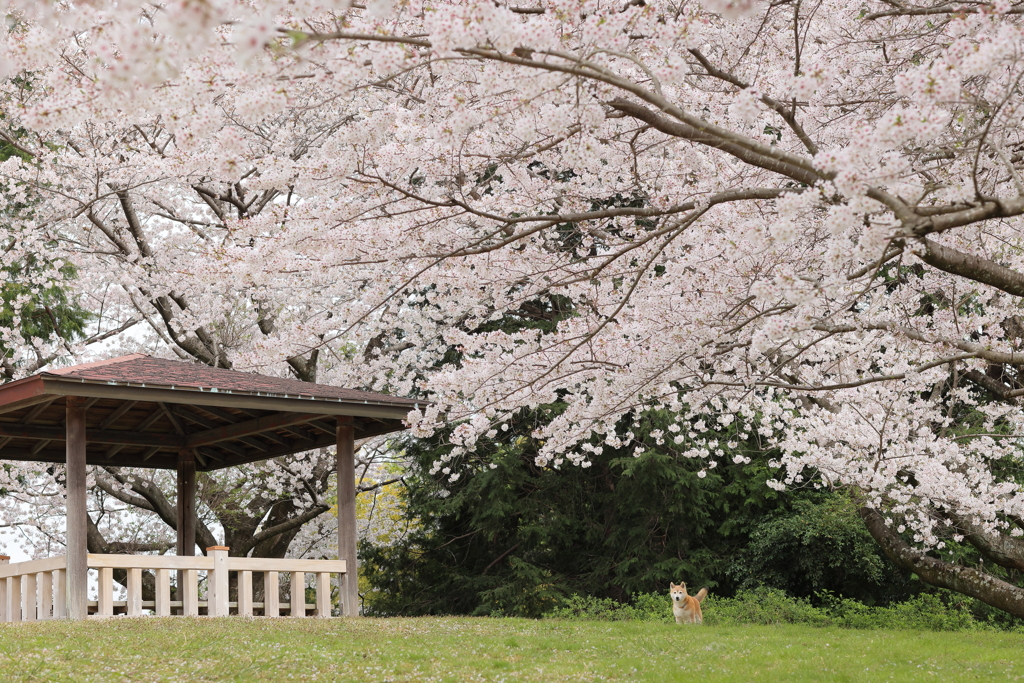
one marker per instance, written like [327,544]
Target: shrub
[926,612]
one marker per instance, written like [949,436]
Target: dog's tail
[701,594]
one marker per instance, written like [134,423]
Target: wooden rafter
[247,428]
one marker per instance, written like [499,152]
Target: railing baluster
[163,592]
[323,595]
[14,598]
[191,593]
[60,593]
[217,595]
[298,594]
[105,600]
[4,559]
[28,597]
[134,592]
[45,581]
[271,600]
[244,594]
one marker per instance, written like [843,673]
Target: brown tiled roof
[139,369]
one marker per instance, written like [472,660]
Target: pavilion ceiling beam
[235,419]
[117,414]
[36,411]
[198,419]
[322,442]
[161,460]
[129,438]
[247,428]
[175,422]
[303,434]
[150,419]
[323,425]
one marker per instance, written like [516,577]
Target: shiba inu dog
[686,608]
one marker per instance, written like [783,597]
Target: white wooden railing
[36,589]
[32,590]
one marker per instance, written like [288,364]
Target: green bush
[765,606]
[926,612]
[646,607]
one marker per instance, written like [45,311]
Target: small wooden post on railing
[134,592]
[60,594]
[190,593]
[217,580]
[323,595]
[4,559]
[163,592]
[244,594]
[28,597]
[45,581]
[14,598]
[271,600]
[105,599]
[298,594]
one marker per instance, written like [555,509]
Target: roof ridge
[95,364]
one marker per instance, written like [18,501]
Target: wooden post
[28,597]
[217,581]
[45,581]
[271,598]
[105,589]
[4,559]
[298,594]
[190,588]
[134,592]
[60,594]
[245,594]
[186,509]
[77,525]
[163,592]
[347,516]
[323,595]
[13,598]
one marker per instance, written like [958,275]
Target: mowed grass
[461,649]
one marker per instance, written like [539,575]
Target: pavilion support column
[186,509]
[77,524]
[347,516]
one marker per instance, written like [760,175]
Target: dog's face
[677,592]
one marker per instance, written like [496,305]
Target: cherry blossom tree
[799,217]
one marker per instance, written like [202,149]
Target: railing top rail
[205,563]
[47,564]
[271,564]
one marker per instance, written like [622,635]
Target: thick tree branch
[1002,549]
[972,267]
[966,580]
[685,131]
[283,527]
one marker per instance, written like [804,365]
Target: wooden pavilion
[139,411]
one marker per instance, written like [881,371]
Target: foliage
[770,606]
[37,301]
[820,544]
[513,537]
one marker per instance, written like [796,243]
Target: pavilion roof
[141,411]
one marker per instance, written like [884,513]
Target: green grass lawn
[458,649]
